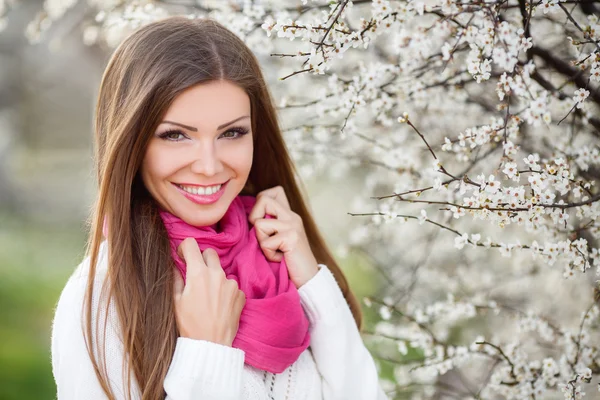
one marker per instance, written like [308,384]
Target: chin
[202,222]
[205,219]
[203,215]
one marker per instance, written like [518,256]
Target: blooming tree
[474,125]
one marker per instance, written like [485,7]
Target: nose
[206,160]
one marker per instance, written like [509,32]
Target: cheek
[244,159]
[158,165]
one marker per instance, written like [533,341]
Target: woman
[213,281]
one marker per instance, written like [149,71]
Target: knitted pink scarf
[273,328]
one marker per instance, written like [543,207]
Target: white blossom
[580,96]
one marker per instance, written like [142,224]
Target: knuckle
[232,283]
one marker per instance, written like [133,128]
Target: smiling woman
[205,276]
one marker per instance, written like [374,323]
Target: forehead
[208,105]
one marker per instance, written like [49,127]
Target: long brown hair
[144,75]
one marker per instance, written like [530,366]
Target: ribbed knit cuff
[206,368]
[321,297]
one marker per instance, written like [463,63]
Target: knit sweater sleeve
[347,368]
[199,370]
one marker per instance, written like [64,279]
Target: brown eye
[235,133]
[172,135]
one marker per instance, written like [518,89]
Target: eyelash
[239,130]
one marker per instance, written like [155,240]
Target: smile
[202,194]
[205,190]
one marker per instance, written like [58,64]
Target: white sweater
[335,366]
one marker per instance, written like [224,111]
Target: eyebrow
[191,128]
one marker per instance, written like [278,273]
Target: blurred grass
[35,262]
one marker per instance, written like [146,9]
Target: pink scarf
[273,328]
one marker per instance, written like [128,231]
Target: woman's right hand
[208,305]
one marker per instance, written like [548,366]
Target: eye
[172,135]
[235,133]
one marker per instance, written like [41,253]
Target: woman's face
[200,156]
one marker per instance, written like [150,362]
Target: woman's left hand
[283,236]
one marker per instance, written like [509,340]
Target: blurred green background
[36,261]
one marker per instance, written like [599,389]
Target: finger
[189,251]
[277,193]
[285,241]
[267,205]
[270,247]
[266,228]
[211,258]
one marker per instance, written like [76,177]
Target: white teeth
[201,190]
